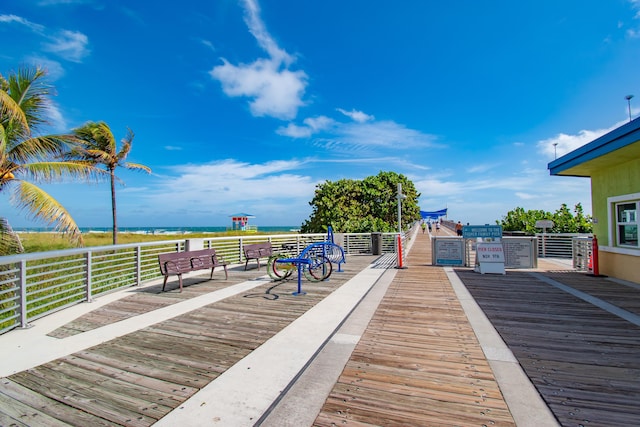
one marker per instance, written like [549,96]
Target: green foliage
[28,158]
[96,145]
[563,219]
[352,206]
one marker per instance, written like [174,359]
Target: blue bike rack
[334,253]
[299,262]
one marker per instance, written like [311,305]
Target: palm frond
[10,243]
[41,148]
[29,90]
[44,207]
[137,166]
[11,111]
[59,171]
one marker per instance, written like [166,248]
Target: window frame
[613,224]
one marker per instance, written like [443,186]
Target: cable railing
[37,284]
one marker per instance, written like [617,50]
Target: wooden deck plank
[583,360]
[418,362]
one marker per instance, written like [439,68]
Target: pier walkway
[374,345]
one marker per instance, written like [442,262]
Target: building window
[627,223]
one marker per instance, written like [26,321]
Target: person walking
[459,229]
[424,227]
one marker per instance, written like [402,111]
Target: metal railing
[582,250]
[37,284]
[557,245]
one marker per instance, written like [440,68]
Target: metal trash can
[376,243]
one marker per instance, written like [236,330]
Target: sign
[490,252]
[490,258]
[519,253]
[483,231]
[448,251]
[544,223]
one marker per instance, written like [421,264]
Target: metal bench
[257,251]
[177,263]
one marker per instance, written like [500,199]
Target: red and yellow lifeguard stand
[240,222]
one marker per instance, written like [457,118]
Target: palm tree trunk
[113,206]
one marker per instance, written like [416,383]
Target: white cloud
[357,116]
[54,68]
[294,131]
[311,126]
[271,189]
[383,134]
[484,201]
[70,45]
[273,88]
[259,31]
[480,168]
[37,28]
[208,44]
[56,118]
[525,196]
[562,143]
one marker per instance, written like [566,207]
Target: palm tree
[27,159]
[97,145]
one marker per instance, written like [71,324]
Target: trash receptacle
[376,243]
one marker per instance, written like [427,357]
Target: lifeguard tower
[240,222]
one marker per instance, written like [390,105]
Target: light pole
[555,152]
[628,98]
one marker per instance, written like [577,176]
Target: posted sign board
[490,258]
[482,231]
[544,223]
[447,251]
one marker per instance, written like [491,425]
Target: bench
[183,262]
[257,251]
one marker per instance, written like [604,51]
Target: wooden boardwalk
[419,362]
[584,361]
[138,378]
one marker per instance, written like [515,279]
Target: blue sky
[247,105]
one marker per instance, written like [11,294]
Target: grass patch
[43,242]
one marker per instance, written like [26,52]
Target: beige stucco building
[613,164]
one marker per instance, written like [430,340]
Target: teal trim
[618,138]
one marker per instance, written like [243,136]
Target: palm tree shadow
[267,293]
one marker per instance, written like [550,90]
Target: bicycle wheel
[278,271]
[319,269]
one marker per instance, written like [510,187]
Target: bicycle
[312,262]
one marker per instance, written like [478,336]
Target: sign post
[544,224]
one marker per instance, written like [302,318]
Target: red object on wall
[594,256]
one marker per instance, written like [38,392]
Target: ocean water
[161,230]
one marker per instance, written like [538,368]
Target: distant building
[240,222]
[613,164]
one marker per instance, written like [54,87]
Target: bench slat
[177,263]
[257,251]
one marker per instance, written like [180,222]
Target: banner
[433,214]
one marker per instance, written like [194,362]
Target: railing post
[138,265]
[240,251]
[87,257]
[23,295]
